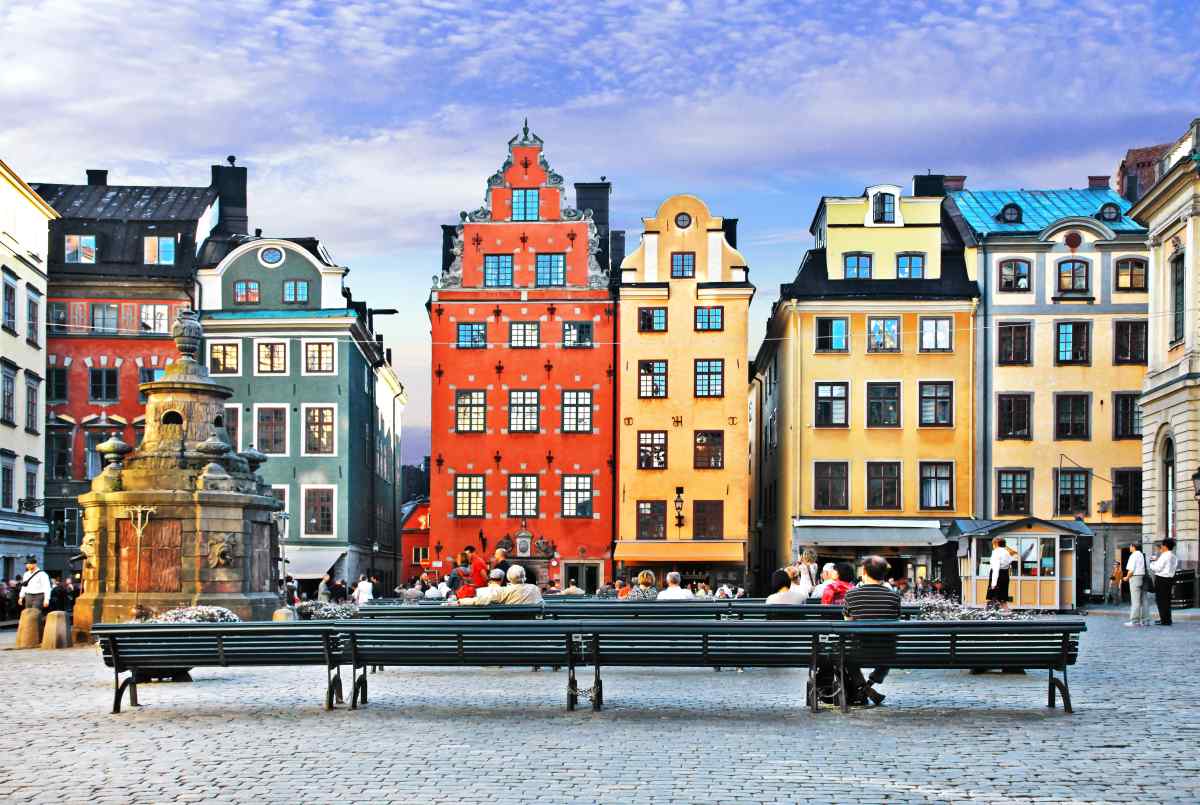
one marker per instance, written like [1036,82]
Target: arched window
[219,422]
[1010,214]
[172,418]
[1073,276]
[884,208]
[1110,212]
[1167,529]
[1014,275]
[245,292]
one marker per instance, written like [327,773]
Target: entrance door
[586,575]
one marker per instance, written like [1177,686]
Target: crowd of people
[36,589]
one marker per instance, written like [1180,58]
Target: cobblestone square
[504,735]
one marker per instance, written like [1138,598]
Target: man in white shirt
[35,586]
[674,591]
[1136,576]
[363,591]
[1164,567]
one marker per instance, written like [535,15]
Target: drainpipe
[395,489]
[986,371]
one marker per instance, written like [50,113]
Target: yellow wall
[844,231]
[909,444]
[681,413]
[1043,453]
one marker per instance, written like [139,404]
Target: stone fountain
[183,519]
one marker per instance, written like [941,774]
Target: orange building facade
[523,330]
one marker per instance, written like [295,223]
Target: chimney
[97,177]
[929,184]
[230,183]
[1098,182]
[594,196]
[953,183]
[618,250]
[729,226]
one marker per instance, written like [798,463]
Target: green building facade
[315,392]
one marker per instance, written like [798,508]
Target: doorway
[586,575]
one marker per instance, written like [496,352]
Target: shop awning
[680,551]
[21,524]
[311,563]
[867,534]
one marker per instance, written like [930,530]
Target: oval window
[272,255]
[683,220]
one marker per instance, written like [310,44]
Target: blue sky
[371,123]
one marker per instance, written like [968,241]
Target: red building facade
[523,331]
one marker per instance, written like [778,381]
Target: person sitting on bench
[489,594]
[518,590]
[871,600]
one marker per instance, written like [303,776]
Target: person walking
[1164,568]
[324,593]
[1115,580]
[1001,561]
[1136,575]
[35,587]
[807,574]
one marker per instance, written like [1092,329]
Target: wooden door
[161,546]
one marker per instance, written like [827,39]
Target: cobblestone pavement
[503,735]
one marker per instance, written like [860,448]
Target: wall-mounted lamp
[679,507]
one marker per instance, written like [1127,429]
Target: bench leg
[812,695]
[843,697]
[358,690]
[337,680]
[120,687]
[1061,686]
[572,689]
[597,691]
[333,687]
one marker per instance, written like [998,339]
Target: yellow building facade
[682,468]
[864,389]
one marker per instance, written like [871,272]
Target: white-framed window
[577,411]
[10,303]
[523,409]
[937,334]
[272,428]
[270,357]
[281,493]
[8,481]
[320,429]
[522,496]
[577,496]
[158,250]
[523,334]
[320,357]
[79,249]
[318,510]
[155,319]
[224,358]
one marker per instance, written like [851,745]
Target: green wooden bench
[707,643]
[1049,645]
[142,650]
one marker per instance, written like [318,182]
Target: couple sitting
[516,592]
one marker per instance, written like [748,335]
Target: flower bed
[196,614]
[935,608]
[322,611]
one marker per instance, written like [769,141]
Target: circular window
[683,220]
[1073,240]
[271,256]
[1110,212]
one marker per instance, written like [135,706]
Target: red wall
[524,369]
[126,348]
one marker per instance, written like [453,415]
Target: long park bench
[146,650]
[600,642]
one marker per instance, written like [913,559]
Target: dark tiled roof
[813,282]
[127,203]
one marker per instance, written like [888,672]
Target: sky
[369,124]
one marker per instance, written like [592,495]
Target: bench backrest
[459,641]
[964,644]
[189,645]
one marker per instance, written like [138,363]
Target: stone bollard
[56,634]
[284,614]
[29,629]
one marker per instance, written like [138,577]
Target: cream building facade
[1170,400]
[24,218]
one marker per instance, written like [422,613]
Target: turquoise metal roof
[1039,209]
[321,313]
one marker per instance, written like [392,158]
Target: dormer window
[1010,214]
[80,249]
[857,266]
[885,208]
[1110,212]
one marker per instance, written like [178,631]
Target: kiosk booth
[1042,576]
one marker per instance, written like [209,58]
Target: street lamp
[679,507]
[374,553]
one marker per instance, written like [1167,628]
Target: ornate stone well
[182,519]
